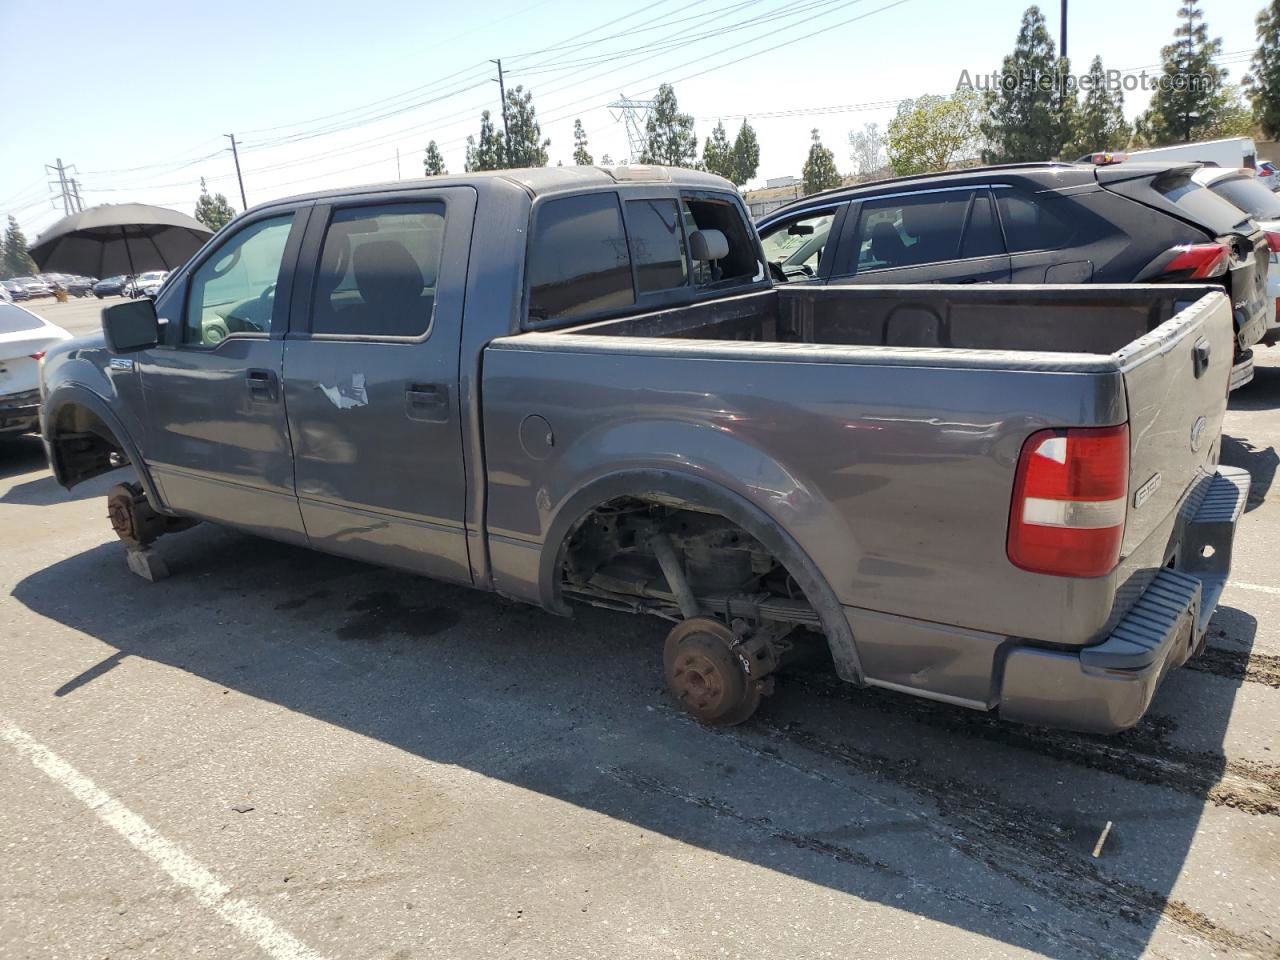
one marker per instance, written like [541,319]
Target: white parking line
[255,926]
[1254,586]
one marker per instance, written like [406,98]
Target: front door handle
[263,385]
[427,401]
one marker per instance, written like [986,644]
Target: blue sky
[324,93]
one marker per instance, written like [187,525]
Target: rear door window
[657,245]
[378,270]
[578,261]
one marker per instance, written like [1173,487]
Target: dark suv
[1030,223]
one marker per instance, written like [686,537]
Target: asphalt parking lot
[275,753]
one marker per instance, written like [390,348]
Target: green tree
[214,211]
[935,133]
[1264,81]
[670,139]
[490,152]
[746,154]
[1232,114]
[581,156]
[1100,123]
[1030,116]
[16,259]
[820,171]
[525,146]
[606,161]
[717,153]
[1187,99]
[433,162]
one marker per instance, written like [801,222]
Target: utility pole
[235,153]
[1062,47]
[75,193]
[397,163]
[502,92]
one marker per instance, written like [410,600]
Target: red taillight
[1069,499]
[1273,240]
[38,356]
[1199,261]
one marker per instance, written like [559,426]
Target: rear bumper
[20,412]
[1107,687]
[1242,370]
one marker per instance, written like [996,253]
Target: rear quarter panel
[894,478]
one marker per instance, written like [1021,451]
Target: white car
[1242,188]
[1269,175]
[24,338]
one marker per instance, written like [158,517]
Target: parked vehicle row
[584,385]
[47,285]
[1033,223]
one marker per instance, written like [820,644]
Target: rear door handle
[263,385]
[427,401]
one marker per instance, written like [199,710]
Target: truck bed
[1093,319]
[881,427]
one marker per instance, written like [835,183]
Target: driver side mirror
[130,327]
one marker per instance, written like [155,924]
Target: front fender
[77,375]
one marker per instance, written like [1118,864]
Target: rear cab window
[597,254]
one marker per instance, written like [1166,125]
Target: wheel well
[672,493]
[609,559]
[82,445]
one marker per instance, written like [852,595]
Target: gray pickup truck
[580,385]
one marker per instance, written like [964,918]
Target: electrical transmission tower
[68,186]
[634,114]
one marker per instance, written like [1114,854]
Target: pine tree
[1100,123]
[433,162]
[1030,117]
[490,152]
[214,211]
[15,257]
[1264,82]
[581,156]
[670,137]
[717,153]
[746,154]
[820,171]
[1186,104]
[525,146]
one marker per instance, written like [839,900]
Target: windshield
[1250,196]
[150,277]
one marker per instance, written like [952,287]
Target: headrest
[386,272]
[708,245]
